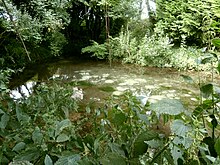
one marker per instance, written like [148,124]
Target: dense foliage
[190,22]
[50,127]
[31,29]
[39,29]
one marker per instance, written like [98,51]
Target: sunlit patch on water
[23,90]
[93,78]
[109,81]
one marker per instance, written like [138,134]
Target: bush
[48,127]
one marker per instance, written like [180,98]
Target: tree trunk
[16,29]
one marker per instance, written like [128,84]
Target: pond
[95,80]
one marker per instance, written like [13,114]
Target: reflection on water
[23,90]
[160,83]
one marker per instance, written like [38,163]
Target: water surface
[97,80]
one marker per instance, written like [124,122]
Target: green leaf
[89,141]
[21,116]
[29,155]
[37,136]
[68,160]
[155,143]
[186,78]
[62,125]
[113,159]
[186,142]
[211,158]
[96,144]
[22,162]
[62,138]
[216,42]
[86,161]
[198,110]
[217,90]
[214,122]
[176,153]
[144,118]
[140,146]
[207,90]
[4,121]
[116,148]
[168,106]
[48,160]
[19,146]
[217,146]
[119,118]
[218,67]
[207,104]
[179,128]
[207,58]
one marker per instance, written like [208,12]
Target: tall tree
[38,25]
[192,22]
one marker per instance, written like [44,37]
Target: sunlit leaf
[4,121]
[62,125]
[217,90]
[198,61]
[116,148]
[208,57]
[62,138]
[216,42]
[22,162]
[168,106]
[68,160]
[19,146]
[186,142]
[21,116]
[176,153]
[144,118]
[211,158]
[48,160]
[113,159]
[154,143]
[29,155]
[97,144]
[180,128]
[37,136]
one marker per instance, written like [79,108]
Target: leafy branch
[16,29]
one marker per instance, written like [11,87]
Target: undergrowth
[151,51]
[50,128]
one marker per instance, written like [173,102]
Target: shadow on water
[97,80]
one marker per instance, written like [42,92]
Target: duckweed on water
[81,83]
[107,89]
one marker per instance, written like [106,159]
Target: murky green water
[96,80]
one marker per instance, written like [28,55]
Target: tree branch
[16,29]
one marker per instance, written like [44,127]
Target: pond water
[97,80]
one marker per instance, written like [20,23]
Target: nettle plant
[50,127]
[34,128]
